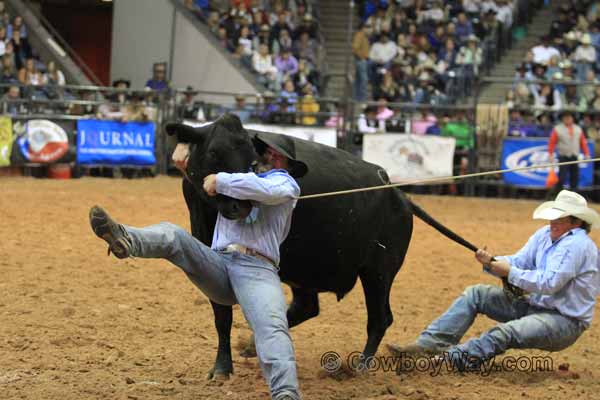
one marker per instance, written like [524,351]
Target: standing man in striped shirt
[568,139]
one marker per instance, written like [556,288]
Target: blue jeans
[230,278]
[361,79]
[522,325]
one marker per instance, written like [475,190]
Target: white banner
[408,157]
[326,136]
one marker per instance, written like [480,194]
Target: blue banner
[520,152]
[115,143]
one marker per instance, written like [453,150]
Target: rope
[439,180]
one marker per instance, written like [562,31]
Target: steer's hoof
[248,352]
[217,377]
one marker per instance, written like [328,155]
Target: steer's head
[222,146]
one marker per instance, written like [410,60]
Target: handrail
[63,43]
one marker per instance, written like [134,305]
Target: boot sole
[104,227]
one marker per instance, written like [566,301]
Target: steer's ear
[186,133]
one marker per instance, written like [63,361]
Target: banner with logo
[42,141]
[6,140]
[521,152]
[115,143]
[408,157]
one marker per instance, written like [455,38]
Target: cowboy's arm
[272,189]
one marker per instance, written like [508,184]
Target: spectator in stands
[381,54]
[308,104]
[554,66]
[53,76]
[159,77]
[538,73]
[241,109]
[245,40]
[567,70]
[504,14]
[472,8]
[488,27]
[437,38]
[29,75]
[544,51]
[594,103]
[368,122]
[113,108]
[571,100]
[383,111]
[289,96]
[135,110]
[191,109]
[388,89]
[561,25]
[263,37]
[224,40]
[360,49]
[213,22]
[263,65]
[568,139]
[11,102]
[422,121]
[569,44]
[399,24]
[269,108]
[17,25]
[2,40]
[306,75]
[306,48]
[435,13]
[546,98]
[469,58]
[584,57]
[308,25]
[284,41]
[278,26]
[286,64]
[9,73]
[21,49]
[52,79]
[464,28]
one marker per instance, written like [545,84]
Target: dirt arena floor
[76,324]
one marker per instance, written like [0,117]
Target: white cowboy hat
[586,39]
[567,204]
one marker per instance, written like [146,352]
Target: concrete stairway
[540,25]
[334,27]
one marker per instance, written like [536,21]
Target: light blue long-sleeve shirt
[561,275]
[273,195]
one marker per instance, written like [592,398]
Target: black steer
[333,240]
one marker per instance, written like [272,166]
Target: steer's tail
[428,219]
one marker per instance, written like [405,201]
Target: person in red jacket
[568,139]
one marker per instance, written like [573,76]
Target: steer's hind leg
[304,305]
[223,320]
[376,286]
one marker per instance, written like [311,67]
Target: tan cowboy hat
[567,204]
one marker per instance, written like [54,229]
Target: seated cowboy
[558,268]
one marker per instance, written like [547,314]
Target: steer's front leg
[223,320]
